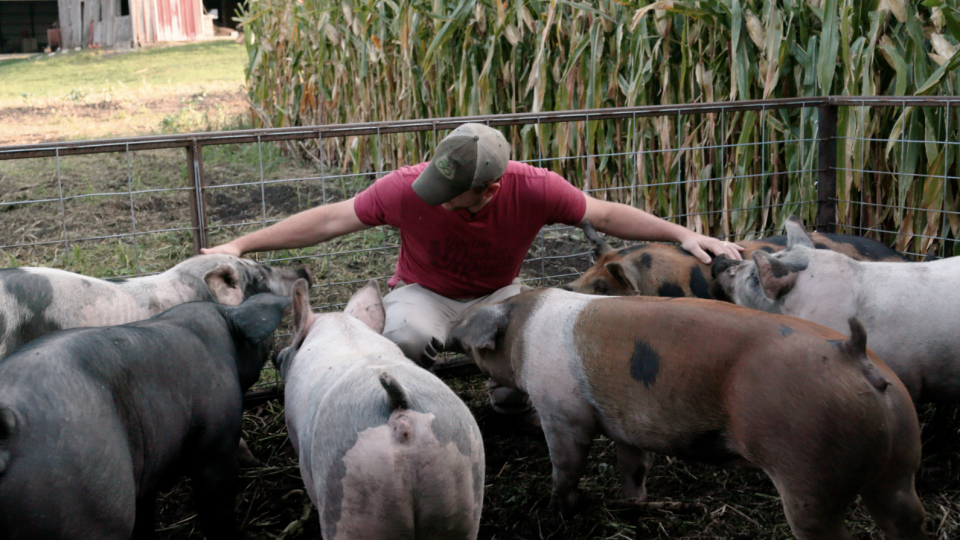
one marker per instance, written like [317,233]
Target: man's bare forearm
[631,223]
[307,228]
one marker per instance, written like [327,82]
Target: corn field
[324,62]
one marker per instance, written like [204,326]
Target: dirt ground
[120,113]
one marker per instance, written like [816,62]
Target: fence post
[197,206]
[827,166]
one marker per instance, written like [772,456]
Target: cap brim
[433,188]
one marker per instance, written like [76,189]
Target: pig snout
[303,273]
[289,276]
[720,264]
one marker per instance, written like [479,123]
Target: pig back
[727,373]
[67,435]
[37,301]
[169,370]
[366,478]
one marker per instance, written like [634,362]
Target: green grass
[77,73]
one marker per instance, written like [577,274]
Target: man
[467,219]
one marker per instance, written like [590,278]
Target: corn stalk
[324,62]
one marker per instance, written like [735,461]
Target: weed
[77,94]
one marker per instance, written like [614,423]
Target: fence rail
[112,216]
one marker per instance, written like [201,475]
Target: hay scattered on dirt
[687,500]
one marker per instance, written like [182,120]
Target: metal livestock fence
[136,206]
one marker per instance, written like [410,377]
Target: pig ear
[480,327]
[302,316]
[600,246]
[259,316]
[625,273]
[796,234]
[223,282]
[367,306]
[776,278]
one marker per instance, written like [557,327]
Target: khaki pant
[419,320]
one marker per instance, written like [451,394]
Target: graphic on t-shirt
[470,259]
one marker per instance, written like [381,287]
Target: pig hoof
[566,505]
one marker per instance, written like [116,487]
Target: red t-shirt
[456,254]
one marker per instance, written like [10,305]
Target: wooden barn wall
[70,23]
[99,23]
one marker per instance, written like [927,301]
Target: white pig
[386,449]
[910,311]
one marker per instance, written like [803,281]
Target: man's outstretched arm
[304,229]
[631,223]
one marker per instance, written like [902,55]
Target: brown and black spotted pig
[665,270]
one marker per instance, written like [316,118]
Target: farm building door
[24,24]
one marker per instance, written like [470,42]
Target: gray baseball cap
[471,156]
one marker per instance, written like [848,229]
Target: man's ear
[775,277]
[259,316]
[481,326]
[491,190]
[224,285]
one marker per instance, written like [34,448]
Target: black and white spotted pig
[386,449]
[37,301]
[912,311]
[665,270]
[821,415]
[93,421]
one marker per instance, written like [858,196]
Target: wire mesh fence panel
[736,170]
[901,188]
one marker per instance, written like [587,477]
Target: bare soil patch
[121,113]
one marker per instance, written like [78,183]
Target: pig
[819,413]
[910,310]
[386,449]
[93,421]
[37,301]
[664,270]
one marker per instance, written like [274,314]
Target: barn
[29,26]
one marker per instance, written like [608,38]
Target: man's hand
[223,249]
[698,245]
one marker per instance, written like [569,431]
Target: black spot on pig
[671,290]
[785,330]
[698,284]
[644,364]
[821,246]
[630,249]
[768,249]
[779,240]
[646,260]
[869,249]
[709,447]
[34,293]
